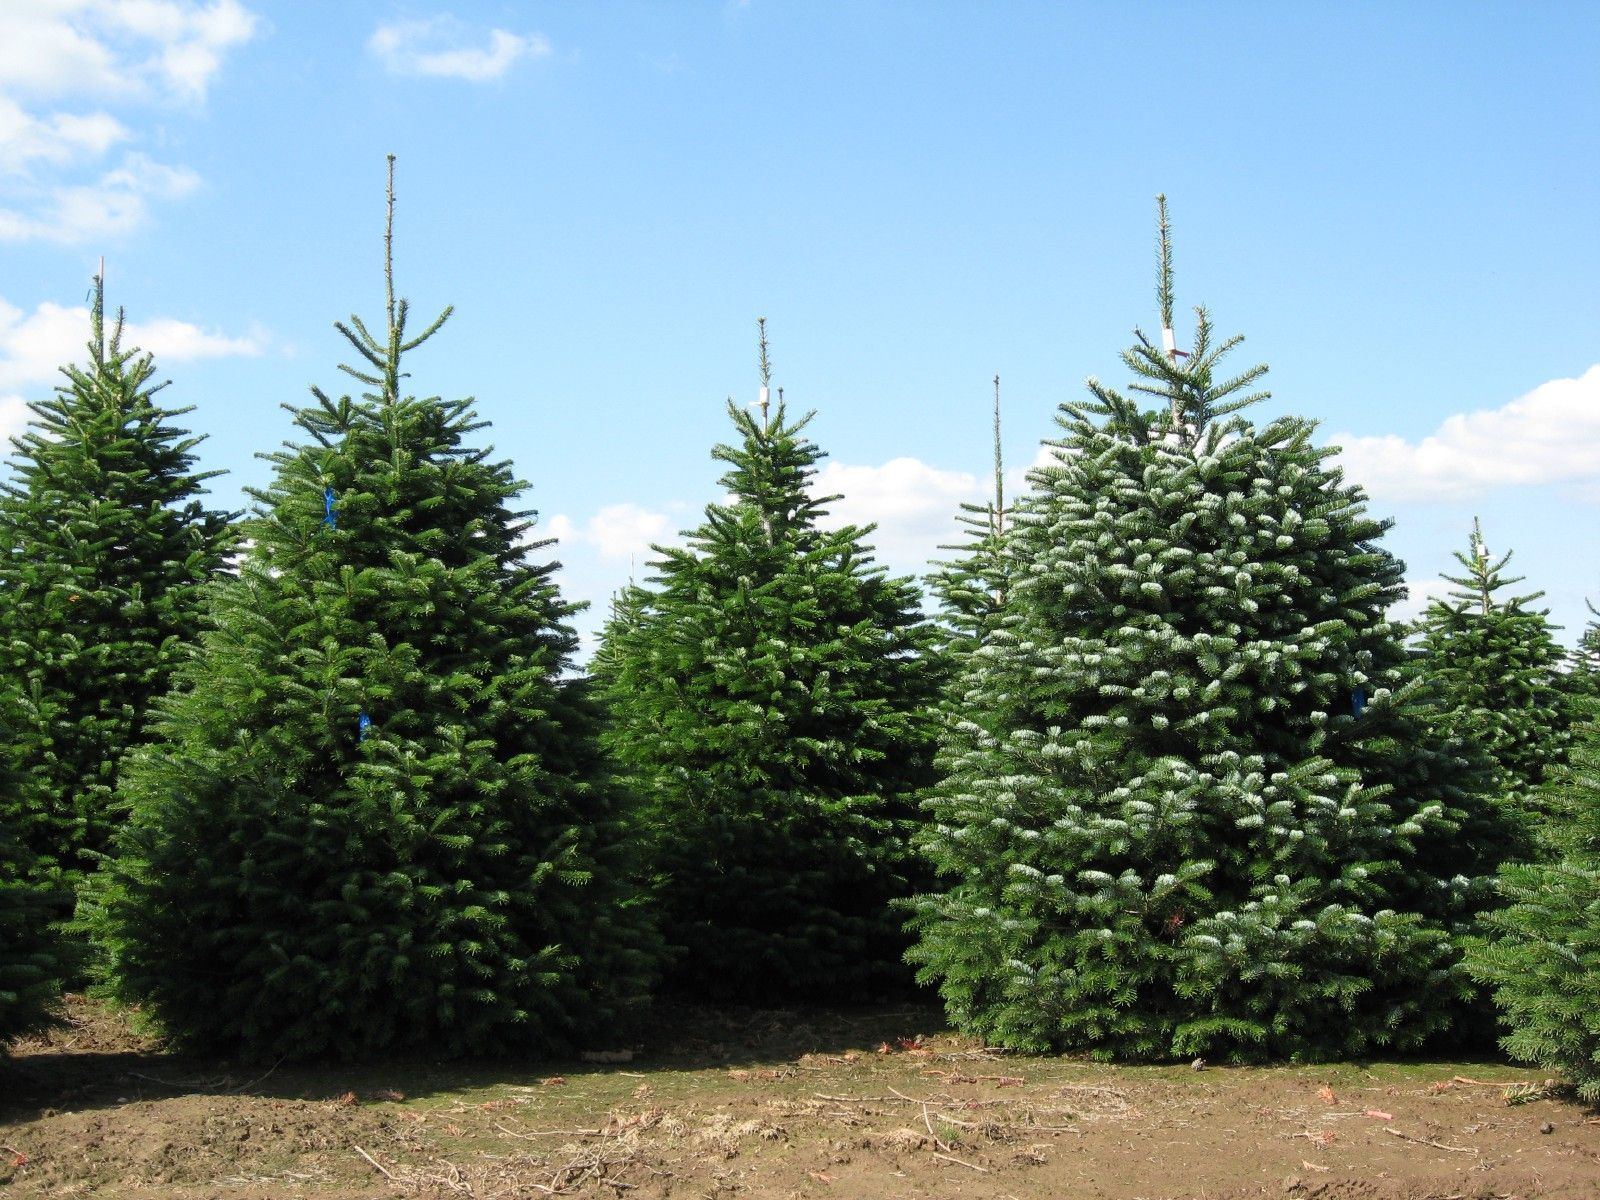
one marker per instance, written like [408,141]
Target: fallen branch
[961,1162]
[1430,1142]
[388,1174]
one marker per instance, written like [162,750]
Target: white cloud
[143,48]
[441,47]
[34,346]
[116,203]
[616,533]
[913,504]
[1546,436]
[54,184]
[14,415]
[56,140]
[1420,593]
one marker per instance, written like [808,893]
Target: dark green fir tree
[32,953]
[105,550]
[1541,955]
[1494,676]
[378,816]
[1187,807]
[971,588]
[772,698]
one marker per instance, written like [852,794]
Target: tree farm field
[774,1103]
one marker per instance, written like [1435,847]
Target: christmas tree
[1494,678]
[105,549]
[972,587]
[1541,954]
[32,958]
[1187,809]
[377,816]
[772,706]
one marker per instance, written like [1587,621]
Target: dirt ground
[880,1103]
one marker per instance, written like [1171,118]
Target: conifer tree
[105,548]
[772,707]
[1494,679]
[971,589]
[1541,955]
[377,816]
[32,955]
[1188,807]
[1583,675]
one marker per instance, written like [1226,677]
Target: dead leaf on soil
[553,1081]
[347,1100]
[1326,1093]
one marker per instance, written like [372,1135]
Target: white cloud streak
[442,48]
[34,346]
[1549,435]
[55,183]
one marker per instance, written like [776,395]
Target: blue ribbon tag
[363,723]
[1358,700]
[330,515]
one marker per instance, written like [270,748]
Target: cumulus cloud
[55,182]
[13,417]
[1546,436]
[615,533]
[34,346]
[116,203]
[144,48]
[443,48]
[912,503]
[1420,593]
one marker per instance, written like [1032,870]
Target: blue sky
[1396,204]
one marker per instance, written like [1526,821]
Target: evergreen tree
[32,956]
[772,705]
[1494,679]
[1541,955]
[377,816]
[105,548]
[1188,808]
[1583,674]
[971,589]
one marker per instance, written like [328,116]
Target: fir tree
[32,955]
[105,548]
[772,705]
[377,816]
[1494,678]
[1583,673]
[1188,808]
[1541,955]
[971,589]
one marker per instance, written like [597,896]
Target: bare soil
[880,1103]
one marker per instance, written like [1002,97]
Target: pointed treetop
[384,355]
[1483,578]
[999,519]
[1164,281]
[388,246]
[766,371]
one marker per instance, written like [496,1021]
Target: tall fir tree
[972,587]
[772,697]
[378,816]
[1188,808]
[1494,676]
[105,550]
[1541,952]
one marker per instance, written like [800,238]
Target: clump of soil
[767,1105]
